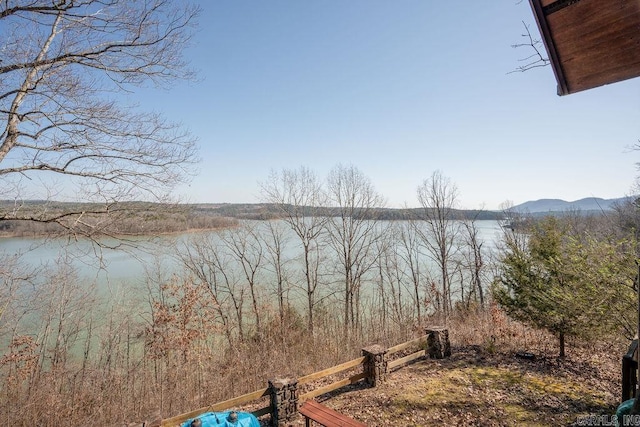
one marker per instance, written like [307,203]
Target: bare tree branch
[62,66]
[536,59]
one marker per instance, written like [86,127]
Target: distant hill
[588,204]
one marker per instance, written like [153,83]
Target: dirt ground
[475,387]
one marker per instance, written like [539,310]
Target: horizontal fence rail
[406,345]
[218,407]
[331,371]
[332,387]
[406,360]
[369,367]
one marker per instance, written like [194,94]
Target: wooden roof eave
[543,27]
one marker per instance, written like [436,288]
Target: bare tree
[275,240]
[353,233]
[438,197]
[299,194]
[246,248]
[204,257]
[65,69]
[474,259]
[409,251]
[14,278]
[392,278]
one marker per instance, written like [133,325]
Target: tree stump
[438,346]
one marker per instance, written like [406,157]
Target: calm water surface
[130,263]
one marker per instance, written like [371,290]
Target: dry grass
[476,388]
[483,383]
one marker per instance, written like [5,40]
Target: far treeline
[52,219]
[275,211]
[141,218]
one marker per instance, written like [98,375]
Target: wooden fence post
[438,346]
[284,400]
[629,372]
[375,364]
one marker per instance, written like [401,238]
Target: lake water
[120,277]
[131,262]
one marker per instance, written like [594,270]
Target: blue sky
[399,89]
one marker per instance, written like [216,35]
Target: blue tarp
[623,411]
[221,419]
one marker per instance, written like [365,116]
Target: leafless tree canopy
[298,193]
[438,196]
[352,235]
[66,68]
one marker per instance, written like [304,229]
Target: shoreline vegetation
[142,219]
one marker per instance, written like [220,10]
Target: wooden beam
[330,371]
[331,387]
[406,359]
[216,407]
[326,416]
[547,39]
[406,345]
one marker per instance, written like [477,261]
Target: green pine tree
[570,285]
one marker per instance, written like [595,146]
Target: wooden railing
[248,398]
[630,371]
[334,385]
[406,359]
[222,406]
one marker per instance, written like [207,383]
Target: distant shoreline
[138,219]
